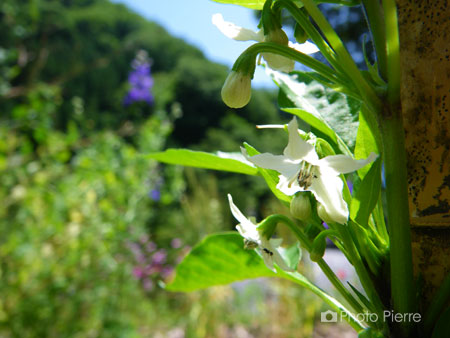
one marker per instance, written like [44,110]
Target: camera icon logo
[328,317]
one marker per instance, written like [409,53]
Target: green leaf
[220,161]
[217,260]
[362,298]
[320,107]
[270,176]
[366,197]
[252,4]
[438,303]
[442,327]
[221,259]
[365,144]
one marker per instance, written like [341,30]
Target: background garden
[90,229]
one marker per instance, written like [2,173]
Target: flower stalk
[402,287]
[306,243]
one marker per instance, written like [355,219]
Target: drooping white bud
[236,90]
[275,61]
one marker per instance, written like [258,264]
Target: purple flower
[350,186]
[150,247]
[175,243]
[140,80]
[147,284]
[138,272]
[159,257]
[155,195]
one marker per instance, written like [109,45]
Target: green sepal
[318,248]
[300,34]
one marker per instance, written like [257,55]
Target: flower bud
[301,207]
[318,248]
[324,215]
[300,34]
[275,61]
[236,90]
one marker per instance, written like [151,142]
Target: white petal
[234,32]
[249,233]
[344,164]
[279,62]
[280,163]
[276,257]
[289,185]
[270,126]
[298,148]
[268,259]
[246,228]
[305,48]
[327,188]
[275,242]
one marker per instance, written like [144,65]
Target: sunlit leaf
[220,161]
[218,260]
[366,197]
[221,259]
[320,107]
[252,4]
[365,144]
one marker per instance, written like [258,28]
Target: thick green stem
[402,279]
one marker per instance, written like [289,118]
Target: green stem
[402,279]
[392,50]
[374,13]
[363,275]
[306,243]
[312,32]
[270,47]
[343,56]
[333,303]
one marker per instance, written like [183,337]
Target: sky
[191,20]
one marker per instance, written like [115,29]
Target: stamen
[306,175]
[249,245]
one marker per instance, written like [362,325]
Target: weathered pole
[425,102]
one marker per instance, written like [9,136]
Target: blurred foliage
[88,226]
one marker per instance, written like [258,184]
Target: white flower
[253,239]
[301,170]
[237,89]
[274,61]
